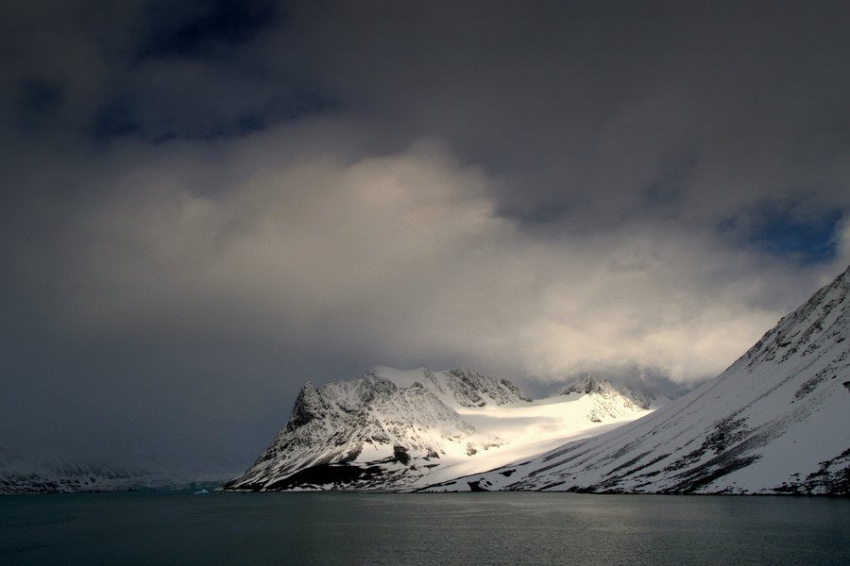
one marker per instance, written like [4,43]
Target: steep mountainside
[776,421]
[395,429]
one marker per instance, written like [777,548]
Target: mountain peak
[586,384]
[590,384]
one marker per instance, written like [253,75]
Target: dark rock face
[479,485]
[327,474]
[472,389]
[307,407]
[400,454]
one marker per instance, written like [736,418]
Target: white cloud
[843,243]
[401,259]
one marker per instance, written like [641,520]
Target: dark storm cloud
[204,29]
[206,204]
[587,107]
[155,70]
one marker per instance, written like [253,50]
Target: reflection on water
[490,528]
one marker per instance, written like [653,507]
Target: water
[392,529]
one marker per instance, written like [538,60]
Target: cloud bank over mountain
[208,203]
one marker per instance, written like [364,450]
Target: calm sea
[486,528]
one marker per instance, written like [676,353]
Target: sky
[206,204]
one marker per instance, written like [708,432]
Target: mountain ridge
[391,429]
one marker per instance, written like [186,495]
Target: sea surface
[420,529]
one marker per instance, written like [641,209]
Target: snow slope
[776,421]
[396,429]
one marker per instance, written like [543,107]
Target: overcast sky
[205,204]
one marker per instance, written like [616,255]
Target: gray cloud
[204,207]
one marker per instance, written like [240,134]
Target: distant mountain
[639,382]
[395,429]
[613,399]
[60,475]
[776,421]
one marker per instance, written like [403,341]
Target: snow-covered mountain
[776,421]
[60,475]
[395,429]
[611,399]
